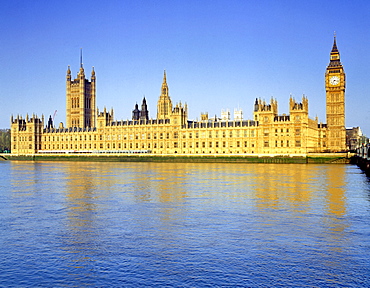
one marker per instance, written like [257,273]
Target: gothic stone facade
[171,133]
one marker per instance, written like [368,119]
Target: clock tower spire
[335,85]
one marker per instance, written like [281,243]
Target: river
[109,224]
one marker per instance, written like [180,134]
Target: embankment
[318,158]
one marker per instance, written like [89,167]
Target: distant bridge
[362,158]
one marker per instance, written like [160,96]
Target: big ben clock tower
[335,84]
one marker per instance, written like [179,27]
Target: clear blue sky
[217,54]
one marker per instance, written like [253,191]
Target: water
[76,224]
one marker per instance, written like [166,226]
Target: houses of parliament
[89,130]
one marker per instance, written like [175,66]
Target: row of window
[155,146]
[142,146]
[209,134]
[136,137]
[75,102]
[281,143]
[23,138]
[161,145]
[37,129]
[143,135]
[23,146]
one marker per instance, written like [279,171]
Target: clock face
[334,80]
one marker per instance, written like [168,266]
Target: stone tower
[81,99]
[144,113]
[136,113]
[164,106]
[335,84]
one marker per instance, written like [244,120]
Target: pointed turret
[144,113]
[69,76]
[256,105]
[136,113]
[50,123]
[81,73]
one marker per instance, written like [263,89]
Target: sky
[217,54]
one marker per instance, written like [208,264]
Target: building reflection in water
[96,191]
[313,197]
[277,184]
[162,182]
[336,175]
[81,236]
[296,185]
[336,206]
[155,197]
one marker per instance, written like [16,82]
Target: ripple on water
[190,225]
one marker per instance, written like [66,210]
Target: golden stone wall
[208,137]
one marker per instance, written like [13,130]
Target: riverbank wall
[316,158]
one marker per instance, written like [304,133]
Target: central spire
[164,105]
[164,85]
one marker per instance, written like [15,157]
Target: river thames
[109,224]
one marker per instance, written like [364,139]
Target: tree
[4,140]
